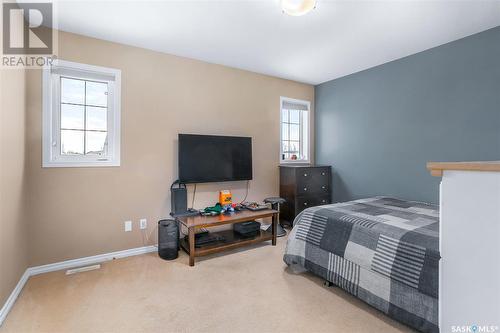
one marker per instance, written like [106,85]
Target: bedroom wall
[79,212]
[13,221]
[378,128]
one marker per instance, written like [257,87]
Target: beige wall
[78,212]
[13,220]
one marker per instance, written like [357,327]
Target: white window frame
[308,144]
[51,139]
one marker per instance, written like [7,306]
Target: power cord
[246,193]
[144,234]
[194,195]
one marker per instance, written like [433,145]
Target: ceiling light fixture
[297,7]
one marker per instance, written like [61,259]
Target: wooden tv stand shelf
[232,240]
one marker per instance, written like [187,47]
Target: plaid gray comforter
[385,251]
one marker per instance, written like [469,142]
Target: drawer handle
[324,201]
[305,188]
[323,173]
[305,175]
[323,187]
[305,203]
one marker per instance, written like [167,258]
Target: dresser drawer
[313,180]
[311,201]
[304,189]
[321,173]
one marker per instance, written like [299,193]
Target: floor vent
[82,269]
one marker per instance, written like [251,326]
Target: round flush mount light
[297,7]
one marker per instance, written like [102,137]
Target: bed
[383,250]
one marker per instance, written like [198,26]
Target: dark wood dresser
[304,186]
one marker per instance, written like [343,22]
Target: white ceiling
[336,39]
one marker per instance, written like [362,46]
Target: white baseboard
[13,296]
[66,265]
[90,260]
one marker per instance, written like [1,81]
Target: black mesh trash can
[168,239]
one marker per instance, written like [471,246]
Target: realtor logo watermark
[474,329]
[27,34]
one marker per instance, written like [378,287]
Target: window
[294,131]
[81,115]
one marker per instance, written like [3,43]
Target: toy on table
[224,206]
[211,211]
[225,200]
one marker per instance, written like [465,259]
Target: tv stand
[231,239]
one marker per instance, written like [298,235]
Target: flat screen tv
[211,158]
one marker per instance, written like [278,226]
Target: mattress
[383,250]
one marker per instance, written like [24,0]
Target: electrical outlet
[143,223]
[128,225]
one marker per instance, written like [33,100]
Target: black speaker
[168,239]
[178,199]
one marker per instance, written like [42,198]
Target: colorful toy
[225,198]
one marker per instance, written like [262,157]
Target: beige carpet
[241,291]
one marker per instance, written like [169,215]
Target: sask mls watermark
[474,328]
[27,34]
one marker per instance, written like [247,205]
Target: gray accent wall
[378,128]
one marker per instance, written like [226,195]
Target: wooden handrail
[437,168]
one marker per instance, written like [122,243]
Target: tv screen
[211,158]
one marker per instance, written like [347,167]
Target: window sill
[295,162]
[80,164]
